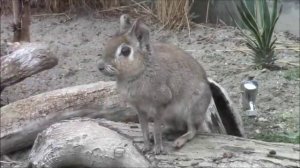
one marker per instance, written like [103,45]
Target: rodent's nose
[101,66]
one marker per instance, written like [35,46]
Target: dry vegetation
[64,5]
[172,14]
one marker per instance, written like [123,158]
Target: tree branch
[28,59]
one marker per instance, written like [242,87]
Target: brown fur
[161,81]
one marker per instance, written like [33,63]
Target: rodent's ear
[125,23]
[140,32]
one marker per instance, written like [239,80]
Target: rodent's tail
[230,118]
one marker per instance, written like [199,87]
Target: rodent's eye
[125,51]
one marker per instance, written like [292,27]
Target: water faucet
[249,90]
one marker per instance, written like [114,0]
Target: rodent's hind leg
[191,131]
[169,133]
[190,134]
[195,116]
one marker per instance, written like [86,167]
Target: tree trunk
[25,30]
[29,59]
[87,143]
[17,12]
[21,25]
[22,120]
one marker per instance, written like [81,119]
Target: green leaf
[239,27]
[260,23]
[274,11]
[272,44]
[253,47]
[267,22]
[251,5]
[269,30]
[251,26]
[274,21]
[249,16]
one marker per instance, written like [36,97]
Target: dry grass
[65,5]
[173,14]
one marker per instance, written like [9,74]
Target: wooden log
[70,144]
[84,143]
[22,120]
[28,59]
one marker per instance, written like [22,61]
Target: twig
[187,18]
[246,49]
[283,157]
[8,160]
[289,63]
[50,14]
[147,10]
[221,21]
[207,10]
[235,50]
[295,49]
[201,25]
[54,14]
[286,43]
[162,27]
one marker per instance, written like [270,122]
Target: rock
[264,70]
[194,163]
[186,159]
[278,126]
[261,119]
[184,164]
[272,152]
[251,113]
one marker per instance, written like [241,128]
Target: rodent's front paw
[158,150]
[146,149]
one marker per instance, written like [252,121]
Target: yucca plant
[261,23]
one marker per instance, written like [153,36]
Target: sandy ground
[78,44]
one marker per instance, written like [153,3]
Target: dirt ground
[78,44]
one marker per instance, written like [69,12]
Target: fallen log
[28,59]
[84,143]
[22,120]
[87,143]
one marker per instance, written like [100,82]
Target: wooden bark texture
[25,31]
[22,120]
[84,143]
[28,59]
[58,145]
[21,24]
[17,6]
